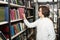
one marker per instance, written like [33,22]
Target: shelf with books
[30,13]
[2,15]
[16,29]
[14,11]
[30,8]
[30,17]
[18,34]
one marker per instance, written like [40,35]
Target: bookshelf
[13,21]
[18,34]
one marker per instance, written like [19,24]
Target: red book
[12,14]
[15,28]
[5,31]
[21,11]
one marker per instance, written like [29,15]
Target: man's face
[40,12]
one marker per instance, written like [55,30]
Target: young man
[45,28]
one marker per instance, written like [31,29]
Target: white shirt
[45,29]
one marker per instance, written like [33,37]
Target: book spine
[2,14]
[18,14]
[21,11]
[12,14]
[6,14]
[12,30]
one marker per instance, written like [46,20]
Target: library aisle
[12,26]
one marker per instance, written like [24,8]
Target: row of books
[30,3]
[20,2]
[29,13]
[14,29]
[2,15]
[14,14]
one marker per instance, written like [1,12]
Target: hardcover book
[2,14]
[21,11]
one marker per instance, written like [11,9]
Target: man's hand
[24,17]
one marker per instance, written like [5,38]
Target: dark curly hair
[45,11]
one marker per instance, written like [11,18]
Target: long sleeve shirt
[45,28]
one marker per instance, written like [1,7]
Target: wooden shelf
[30,17]
[15,5]
[30,8]
[18,34]
[6,22]
[2,2]
[2,23]
[16,20]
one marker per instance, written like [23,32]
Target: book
[19,27]
[15,14]
[28,3]
[12,30]
[21,12]
[18,14]
[23,26]
[28,13]
[12,14]
[32,3]
[6,13]
[2,14]
[20,2]
[14,1]
[15,28]
[5,30]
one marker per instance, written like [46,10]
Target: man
[45,28]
